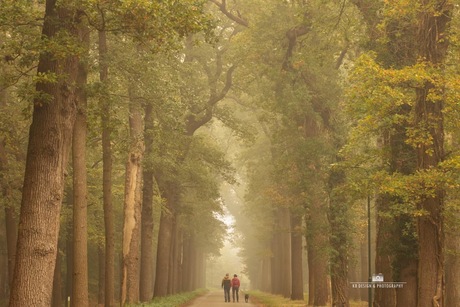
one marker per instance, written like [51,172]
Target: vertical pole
[369,247]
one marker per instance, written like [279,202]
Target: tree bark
[453,267]
[281,249]
[407,296]
[80,193]
[11,238]
[383,258]
[69,256]
[340,239]
[433,43]
[101,275]
[176,254]
[50,138]
[107,176]
[163,252]
[57,283]
[317,256]
[11,228]
[132,207]
[147,256]
[296,257]
[188,257]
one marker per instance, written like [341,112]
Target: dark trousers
[227,294]
[235,290]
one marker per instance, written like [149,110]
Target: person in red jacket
[235,287]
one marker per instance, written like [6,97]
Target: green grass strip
[172,300]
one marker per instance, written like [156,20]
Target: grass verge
[271,300]
[173,300]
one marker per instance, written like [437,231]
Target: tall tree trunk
[57,283]
[147,256]
[80,193]
[172,256]
[317,255]
[318,275]
[354,271]
[50,139]
[296,256]
[132,207]
[165,240]
[430,226]
[101,275]
[11,238]
[340,239]
[176,254]
[266,276]
[281,249]
[11,228]
[363,293]
[453,266]
[275,267]
[383,258]
[107,176]
[188,251]
[407,296]
[3,271]
[201,269]
[432,37]
[69,257]
[163,252]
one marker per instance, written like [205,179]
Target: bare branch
[223,8]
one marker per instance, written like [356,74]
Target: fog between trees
[130,130]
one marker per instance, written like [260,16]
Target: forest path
[216,299]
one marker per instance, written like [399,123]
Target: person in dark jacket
[226,284]
[235,287]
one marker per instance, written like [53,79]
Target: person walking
[226,284]
[235,287]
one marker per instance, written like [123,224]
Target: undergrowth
[172,300]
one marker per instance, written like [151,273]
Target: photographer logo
[377,277]
[377,282]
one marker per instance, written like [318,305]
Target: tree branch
[223,8]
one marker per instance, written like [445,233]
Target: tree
[80,202]
[433,26]
[47,156]
[132,205]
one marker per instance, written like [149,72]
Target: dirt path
[216,299]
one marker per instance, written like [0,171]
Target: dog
[246,297]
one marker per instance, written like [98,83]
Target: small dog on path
[246,297]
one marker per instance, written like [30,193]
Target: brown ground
[216,299]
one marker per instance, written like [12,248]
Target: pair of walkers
[234,284]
